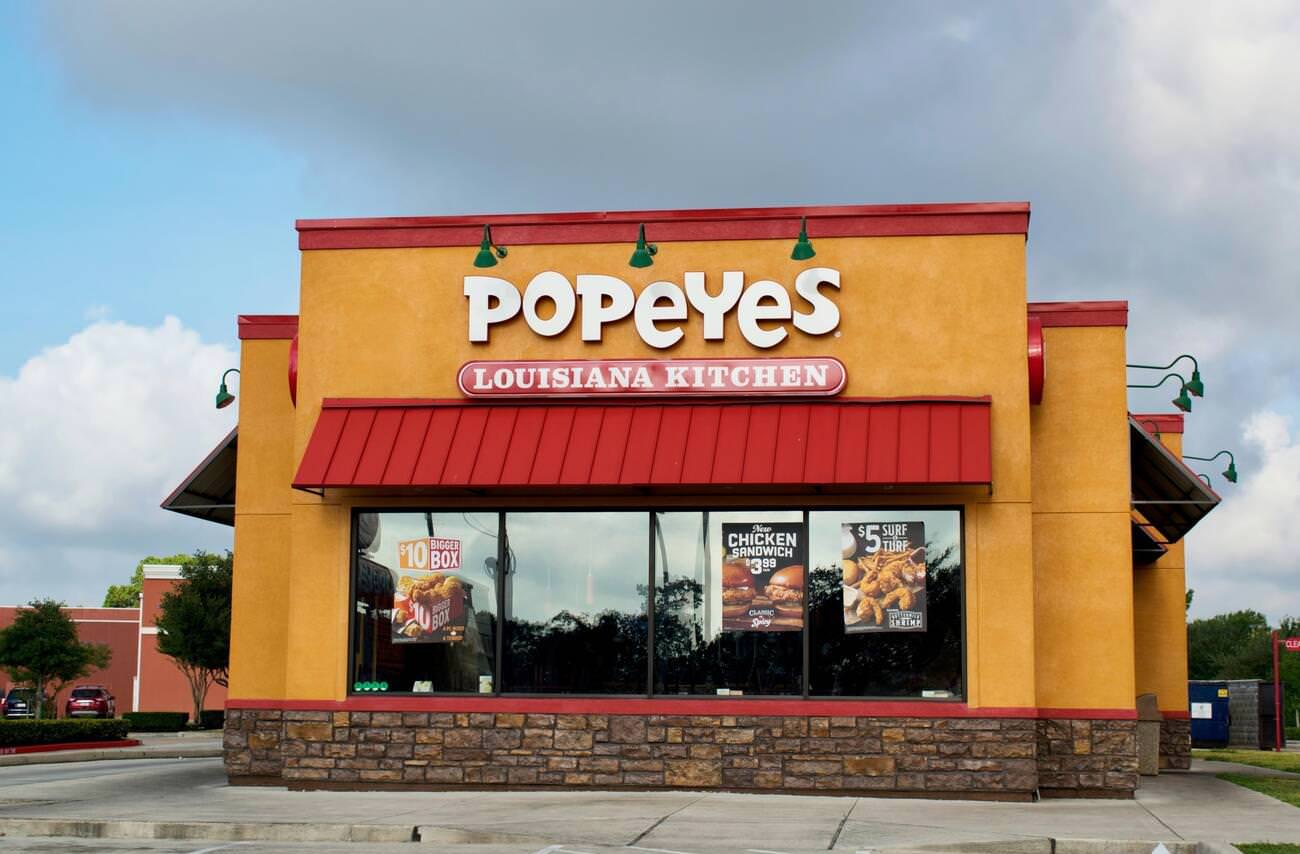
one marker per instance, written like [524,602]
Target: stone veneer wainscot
[1005,758]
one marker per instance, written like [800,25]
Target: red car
[91,701]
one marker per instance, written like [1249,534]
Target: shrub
[156,721]
[18,733]
[212,719]
[1293,733]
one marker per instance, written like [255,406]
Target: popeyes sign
[763,308]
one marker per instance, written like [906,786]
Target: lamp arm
[1162,381]
[1231,458]
[228,373]
[1195,365]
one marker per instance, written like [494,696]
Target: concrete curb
[214,831]
[144,751]
[1063,845]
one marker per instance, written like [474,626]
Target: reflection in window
[576,603]
[424,618]
[885,658]
[695,653]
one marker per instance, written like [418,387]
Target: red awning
[461,445]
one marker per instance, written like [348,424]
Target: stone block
[692,773]
[869,766]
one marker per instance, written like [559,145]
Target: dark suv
[20,703]
[90,701]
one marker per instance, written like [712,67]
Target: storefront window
[829,603]
[717,628]
[885,603]
[425,602]
[576,603]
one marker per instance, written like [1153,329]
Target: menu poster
[429,604]
[884,576]
[762,576]
[429,607]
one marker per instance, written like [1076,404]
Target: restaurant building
[689,499]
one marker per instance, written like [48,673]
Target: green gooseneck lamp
[643,255]
[1230,472]
[488,252]
[1183,402]
[1194,385]
[803,248]
[224,397]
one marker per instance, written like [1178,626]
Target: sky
[154,155]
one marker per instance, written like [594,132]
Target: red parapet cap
[668,225]
[275,326]
[1160,422]
[1098,313]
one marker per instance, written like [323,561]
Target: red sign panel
[1292,644]
[771,377]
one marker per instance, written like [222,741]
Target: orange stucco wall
[919,316]
[1160,621]
[1051,596]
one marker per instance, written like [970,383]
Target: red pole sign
[1291,644]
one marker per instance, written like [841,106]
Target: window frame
[649,510]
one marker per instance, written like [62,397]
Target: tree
[42,649]
[194,624]
[1190,594]
[128,595]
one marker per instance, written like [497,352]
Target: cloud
[97,431]
[1243,555]
[1159,143]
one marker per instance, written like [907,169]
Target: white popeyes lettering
[555,287]
[481,290]
[648,312]
[762,309]
[593,289]
[751,311]
[714,308]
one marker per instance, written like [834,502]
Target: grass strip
[1258,758]
[1285,789]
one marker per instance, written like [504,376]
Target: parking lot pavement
[188,801]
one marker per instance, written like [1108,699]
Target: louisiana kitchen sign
[817,375]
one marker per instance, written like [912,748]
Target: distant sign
[1292,644]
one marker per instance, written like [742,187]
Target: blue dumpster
[1208,702]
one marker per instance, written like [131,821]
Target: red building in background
[139,676]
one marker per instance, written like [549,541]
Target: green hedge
[1293,733]
[16,733]
[212,719]
[156,721]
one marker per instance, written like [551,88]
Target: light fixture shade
[1183,402]
[1231,472]
[1195,386]
[487,253]
[224,397]
[803,248]
[643,255]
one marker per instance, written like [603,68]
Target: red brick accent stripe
[701,706]
[1101,313]
[69,745]
[668,225]
[267,326]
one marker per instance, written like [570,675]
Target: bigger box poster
[883,576]
[429,604]
[762,576]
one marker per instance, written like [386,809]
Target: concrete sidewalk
[199,745]
[190,800]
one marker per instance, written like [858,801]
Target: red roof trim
[458,444]
[668,225]
[1159,422]
[383,402]
[1100,313]
[255,326]
[506,704]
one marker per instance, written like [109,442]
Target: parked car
[90,701]
[20,703]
